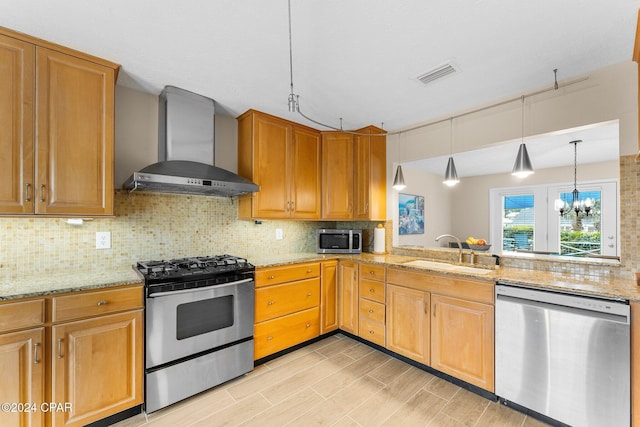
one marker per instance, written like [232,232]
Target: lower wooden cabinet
[348,296]
[408,330]
[96,367]
[286,331]
[462,340]
[22,364]
[328,296]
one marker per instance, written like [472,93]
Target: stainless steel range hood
[186,151]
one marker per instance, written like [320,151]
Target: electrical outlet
[278,233]
[103,240]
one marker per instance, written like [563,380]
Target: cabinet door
[22,380]
[408,322]
[271,167]
[462,340]
[329,297]
[97,367]
[361,176]
[306,191]
[370,198]
[75,125]
[348,296]
[17,68]
[337,175]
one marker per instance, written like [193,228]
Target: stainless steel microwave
[332,241]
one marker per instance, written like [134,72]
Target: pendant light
[398,181]
[576,205]
[522,168]
[451,175]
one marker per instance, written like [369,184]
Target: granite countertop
[47,284]
[603,286]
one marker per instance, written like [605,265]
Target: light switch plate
[103,240]
[278,233]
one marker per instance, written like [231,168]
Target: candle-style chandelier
[576,205]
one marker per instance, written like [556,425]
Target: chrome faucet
[459,244]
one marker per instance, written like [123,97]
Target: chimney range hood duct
[186,151]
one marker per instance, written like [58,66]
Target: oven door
[182,323]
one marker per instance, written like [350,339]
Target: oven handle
[204,288]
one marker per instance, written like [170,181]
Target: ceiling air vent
[437,73]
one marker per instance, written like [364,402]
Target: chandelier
[576,205]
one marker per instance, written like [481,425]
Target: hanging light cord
[575,165]
[290,50]
[451,136]
[522,121]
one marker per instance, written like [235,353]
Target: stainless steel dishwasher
[563,356]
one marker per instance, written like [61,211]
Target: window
[524,219]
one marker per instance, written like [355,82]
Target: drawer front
[372,310]
[284,332]
[371,331]
[97,303]
[21,314]
[372,272]
[370,289]
[279,300]
[274,275]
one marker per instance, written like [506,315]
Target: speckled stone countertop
[603,286]
[47,284]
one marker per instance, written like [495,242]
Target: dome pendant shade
[398,181]
[451,175]
[522,168]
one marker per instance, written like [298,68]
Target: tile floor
[335,382]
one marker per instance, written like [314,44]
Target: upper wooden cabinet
[66,99]
[283,158]
[354,175]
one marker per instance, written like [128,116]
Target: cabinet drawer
[372,310]
[373,272]
[96,303]
[278,300]
[284,332]
[21,314]
[372,331]
[370,289]
[288,273]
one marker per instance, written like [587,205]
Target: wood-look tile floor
[335,382]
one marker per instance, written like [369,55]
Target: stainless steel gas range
[199,325]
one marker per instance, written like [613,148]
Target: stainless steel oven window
[201,317]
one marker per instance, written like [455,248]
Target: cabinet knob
[102,302]
[270,303]
[370,311]
[372,290]
[371,332]
[309,271]
[271,277]
[269,338]
[35,353]
[308,325]
[373,273]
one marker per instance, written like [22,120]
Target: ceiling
[357,60]
[600,143]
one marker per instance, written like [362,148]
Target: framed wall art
[410,214]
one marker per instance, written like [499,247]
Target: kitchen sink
[435,265]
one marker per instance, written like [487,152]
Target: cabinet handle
[370,311]
[42,188]
[426,310]
[60,340]
[102,302]
[270,303]
[350,208]
[271,277]
[293,207]
[373,273]
[434,310]
[371,332]
[309,271]
[308,294]
[35,353]
[366,207]
[308,325]
[27,198]
[269,338]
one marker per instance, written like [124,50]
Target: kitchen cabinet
[329,296]
[371,304]
[462,341]
[96,354]
[287,307]
[444,321]
[370,186]
[283,158]
[337,175]
[408,330]
[22,362]
[348,296]
[57,138]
